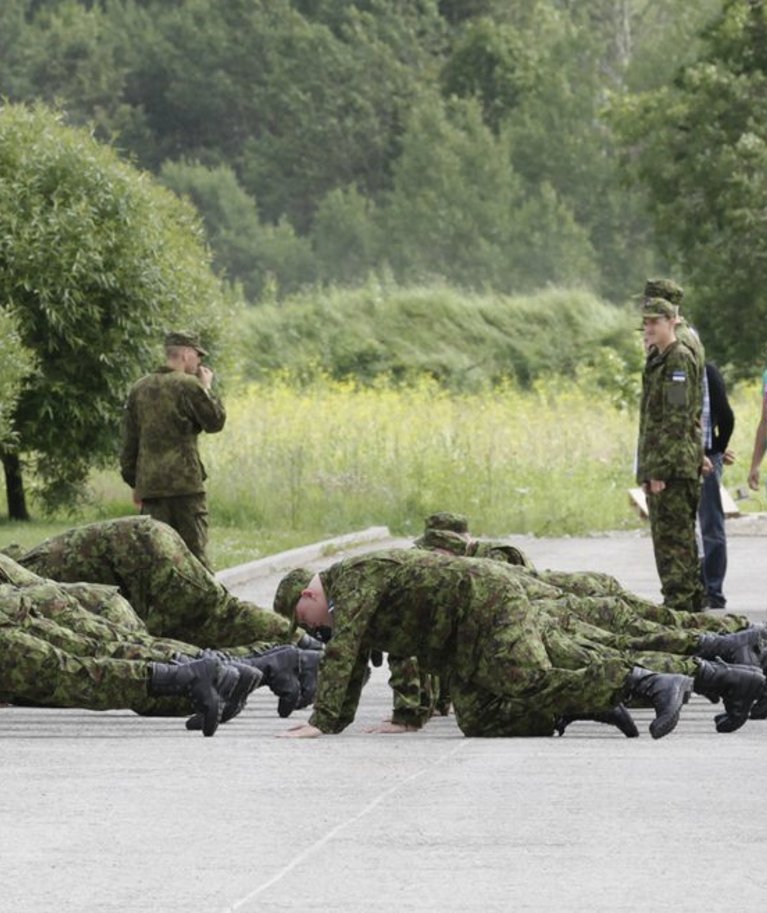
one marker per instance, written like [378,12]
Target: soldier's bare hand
[728,457]
[205,375]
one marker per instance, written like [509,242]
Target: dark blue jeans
[712,531]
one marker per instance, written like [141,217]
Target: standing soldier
[670,454]
[159,459]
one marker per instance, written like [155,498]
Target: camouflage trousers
[673,512]
[35,672]
[595,584]
[414,691]
[523,679]
[166,585]
[56,653]
[188,515]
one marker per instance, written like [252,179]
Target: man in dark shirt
[717,428]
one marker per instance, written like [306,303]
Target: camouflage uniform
[414,697]
[473,619]
[610,605]
[57,653]
[609,614]
[670,449]
[168,588]
[159,458]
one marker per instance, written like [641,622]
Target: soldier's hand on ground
[304,731]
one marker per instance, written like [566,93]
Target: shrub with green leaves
[96,261]
[465,341]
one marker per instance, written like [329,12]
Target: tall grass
[295,464]
[334,457]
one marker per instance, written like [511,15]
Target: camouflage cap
[658,307]
[445,539]
[663,288]
[444,519]
[184,338]
[289,591]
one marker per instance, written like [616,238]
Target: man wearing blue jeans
[718,424]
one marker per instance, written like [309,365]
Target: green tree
[493,63]
[77,57]
[16,363]
[245,250]
[460,211]
[699,147]
[96,260]
[345,236]
[297,106]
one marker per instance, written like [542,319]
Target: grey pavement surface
[113,812]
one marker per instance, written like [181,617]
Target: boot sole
[731,722]
[657,729]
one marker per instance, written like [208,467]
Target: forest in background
[322,140]
[367,189]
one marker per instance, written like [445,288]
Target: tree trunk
[14,487]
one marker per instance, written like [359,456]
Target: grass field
[295,465]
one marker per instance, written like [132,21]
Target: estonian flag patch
[679,376]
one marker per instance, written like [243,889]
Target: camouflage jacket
[409,602]
[165,412]
[670,445]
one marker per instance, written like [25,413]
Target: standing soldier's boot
[744,648]
[667,693]
[618,716]
[204,681]
[249,679]
[738,686]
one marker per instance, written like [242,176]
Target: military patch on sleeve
[676,390]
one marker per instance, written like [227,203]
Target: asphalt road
[112,812]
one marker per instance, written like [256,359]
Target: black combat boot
[759,710]
[290,673]
[744,648]
[204,681]
[249,678]
[667,694]
[617,716]
[738,686]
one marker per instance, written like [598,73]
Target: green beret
[658,307]
[664,288]
[289,591]
[444,519]
[184,338]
